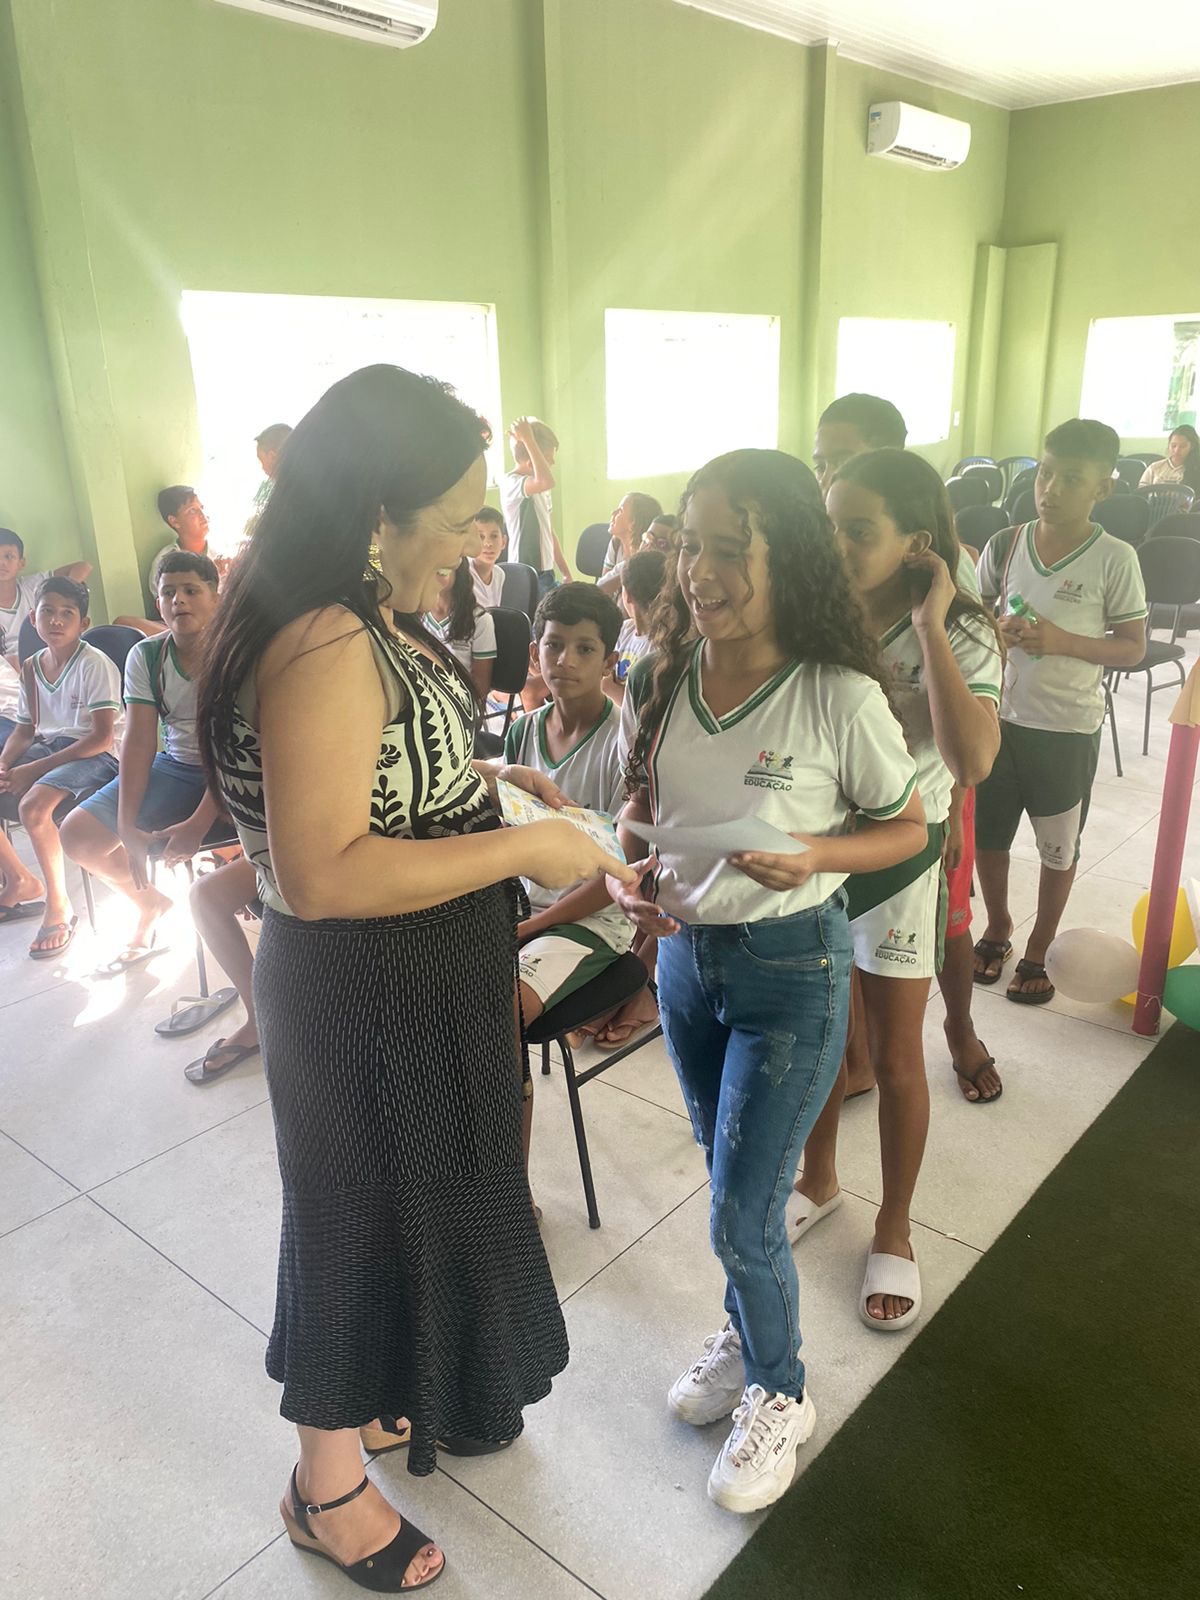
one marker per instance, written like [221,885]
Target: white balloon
[1087,964]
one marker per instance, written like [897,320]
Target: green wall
[1105,180]
[554,157]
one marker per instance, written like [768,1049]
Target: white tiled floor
[141,1451]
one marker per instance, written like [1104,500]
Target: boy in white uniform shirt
[485,565]
[18,590]
[69,722]
[528,508]
[1084,610]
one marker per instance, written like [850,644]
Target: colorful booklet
[518,806]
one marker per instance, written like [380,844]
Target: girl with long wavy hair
[414,1304]
[766,703]
[894,529]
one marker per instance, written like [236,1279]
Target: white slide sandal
[896,1276]
[801,1214]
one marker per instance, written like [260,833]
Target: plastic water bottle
[1019,607]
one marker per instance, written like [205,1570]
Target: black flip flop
[201,1072]
[133,955]
[22,910]
[1040,997]
[193,1012]
[989,950]
[45,931]
[973,1080]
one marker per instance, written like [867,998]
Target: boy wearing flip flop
[1071,603]
[158,793]
[68,723]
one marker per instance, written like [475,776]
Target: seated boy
[489,583]
[111,833]
[18,590]
[570,938]
[1084,611]
[68,723]
[179,507]
[641,579]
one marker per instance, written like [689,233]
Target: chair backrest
[1146,457]
[1024,508]
[977,524]
[519,590]
[990,474]
[1125,516]
[513,634]
[28,640]
[1179,525]
[114,642]
[1013,466]
[972,461]
[1167,499]
[967,492]
[1171,571]
[1022,482]
[592,549]
[1130,470]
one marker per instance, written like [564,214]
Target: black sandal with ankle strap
[383,1572]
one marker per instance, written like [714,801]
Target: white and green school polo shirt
[481,646]
[11,617]
[812,745]
[590,774]
[1087,592]
[154,677]
[63,710]
[977,651]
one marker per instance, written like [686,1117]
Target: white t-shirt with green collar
[11,617]
[1087,592]
[811,746]
[481,646]
[154,677]
[977,651]
[590,774]
[89,682]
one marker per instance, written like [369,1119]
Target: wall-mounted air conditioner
[396,22]
[902,132]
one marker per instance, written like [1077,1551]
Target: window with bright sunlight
[264,358]
[683,386]
[1139,374]
[909,363]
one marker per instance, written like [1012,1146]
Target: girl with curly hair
[767,703]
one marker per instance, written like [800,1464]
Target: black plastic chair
[1177,525]
[1013,466]
[1024,509]
[972,461]
[519,590]
[990,474]
[977,524]
[1171,573]
[28,640]
[592,549]
[615,985]
[1021,484]
[1146,457]
[1130,469]
[1167,500]
[513,636]
[1126,517]
[966,492]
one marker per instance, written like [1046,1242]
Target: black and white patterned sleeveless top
[425,786]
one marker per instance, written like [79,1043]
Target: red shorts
[958,879]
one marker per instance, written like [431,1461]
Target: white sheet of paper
[718,838]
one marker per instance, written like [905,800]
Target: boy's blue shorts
[173,792]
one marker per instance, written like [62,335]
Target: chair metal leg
[1111,713]
[89,897]
[1146,724]
[585,1162]
[546,1059]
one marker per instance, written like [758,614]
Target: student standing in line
[412,1278]
[767,701]
[526,497]
[895,532]
[1072,603]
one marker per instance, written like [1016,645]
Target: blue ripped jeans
[754,1015]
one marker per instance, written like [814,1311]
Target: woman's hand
[782,872]
[537,784]
[560,855]
[644,914]
[930,610]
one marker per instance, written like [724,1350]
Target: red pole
[1164,884]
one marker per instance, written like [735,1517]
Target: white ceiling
[1007,52]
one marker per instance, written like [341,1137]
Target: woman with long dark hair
[1181,464]
[412,1279]
[766,702]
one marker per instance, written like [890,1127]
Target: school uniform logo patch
[900,948]
[770,771]
[905,677]
[1071,592]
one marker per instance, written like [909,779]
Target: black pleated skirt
[412,1277]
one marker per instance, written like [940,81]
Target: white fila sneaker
[709,1390]
[758,1460]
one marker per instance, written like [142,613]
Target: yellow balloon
[1183,932]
